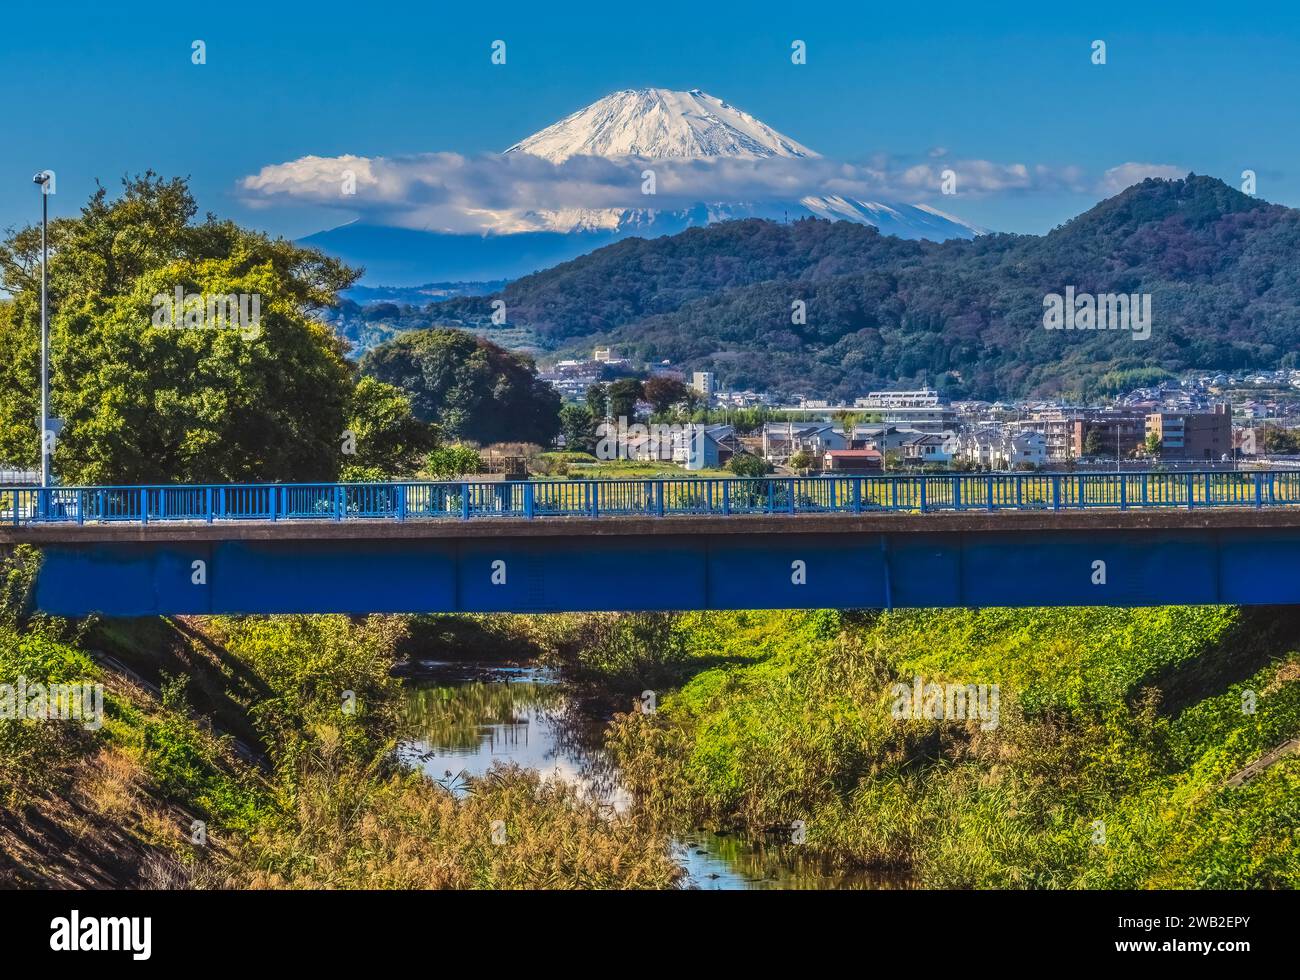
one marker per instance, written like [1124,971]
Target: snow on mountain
[644,123]
[657,122]
[903,220]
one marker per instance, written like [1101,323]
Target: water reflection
[729,861]
[469,716]
[466,716]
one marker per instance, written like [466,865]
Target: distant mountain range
[428,292]
[1222,270]
[647,124]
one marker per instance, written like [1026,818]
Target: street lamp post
[42,179]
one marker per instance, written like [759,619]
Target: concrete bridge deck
[888,522]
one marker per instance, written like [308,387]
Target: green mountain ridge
[1222,269]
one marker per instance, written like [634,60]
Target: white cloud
[1125,175]
[508,192]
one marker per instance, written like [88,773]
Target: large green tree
[579,428]
[470,387]
[144,403]
[623,396]
[383,439]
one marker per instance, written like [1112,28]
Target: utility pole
[42,180]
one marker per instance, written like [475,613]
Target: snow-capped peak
[657,122]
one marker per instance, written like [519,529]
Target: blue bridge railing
[648,498]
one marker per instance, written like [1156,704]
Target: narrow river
[470,715]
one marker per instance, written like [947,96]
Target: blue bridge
[1148,538]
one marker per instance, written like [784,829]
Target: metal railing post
[529,501]
[464,501]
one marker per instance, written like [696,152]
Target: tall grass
[1089,780]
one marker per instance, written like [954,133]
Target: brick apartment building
[1187,435]
[1113,434]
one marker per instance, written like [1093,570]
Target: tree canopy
[471,388]
[143,403]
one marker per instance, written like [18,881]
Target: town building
[852,461]
[1188,435]
[1073,432]
[928,449]
[704,382]
[1118,435]
[1001,448]
[922,410]
[781,440]
[704,447]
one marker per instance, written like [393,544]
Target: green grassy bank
[1117,734]
[258,752]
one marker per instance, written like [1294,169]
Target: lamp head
[41,178]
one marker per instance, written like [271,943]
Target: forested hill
[1222,268]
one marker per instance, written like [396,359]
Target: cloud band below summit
[516,192]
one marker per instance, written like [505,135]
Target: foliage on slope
[326,806]
[1219,266]
[1087,780]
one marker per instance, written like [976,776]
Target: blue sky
[93,93]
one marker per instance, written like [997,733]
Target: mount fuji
[642,125]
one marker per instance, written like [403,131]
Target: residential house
[704,447]
[928,449]
[781,440]
[852,461]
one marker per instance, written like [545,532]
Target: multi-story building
[1001,448]
[1068,433]
[1116,435]
[704,382]
[1188,435]
[921,410]
[1024,448]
